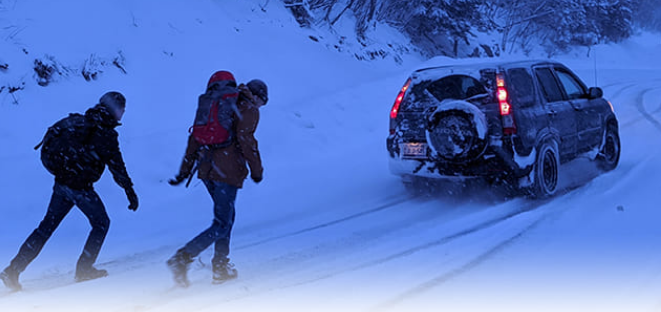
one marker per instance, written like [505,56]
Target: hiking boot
[178,264]
[223,271]
[10,278]
[89,274]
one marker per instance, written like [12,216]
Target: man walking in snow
[76,150]
[223,170]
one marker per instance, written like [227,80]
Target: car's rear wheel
[545,170]
[609,155]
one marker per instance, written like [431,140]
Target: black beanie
[259,89]
[113,99]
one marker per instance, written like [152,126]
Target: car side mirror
[595,93]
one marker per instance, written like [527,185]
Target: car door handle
[576,106]
[552,113]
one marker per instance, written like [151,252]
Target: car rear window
[461,87]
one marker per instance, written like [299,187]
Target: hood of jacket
[246,98]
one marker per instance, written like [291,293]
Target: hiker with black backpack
[76,151]
[220,146]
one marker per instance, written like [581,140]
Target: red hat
[221,75]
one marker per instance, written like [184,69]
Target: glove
[133,199]
[256,178]
[177,180]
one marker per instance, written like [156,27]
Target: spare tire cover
[456,131]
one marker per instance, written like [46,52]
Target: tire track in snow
[622,87]
[644,114]
[658,108]
[641,108]
[445,277]
[528,206]
[441,241]
[619,91]
[390,204]
[615,97]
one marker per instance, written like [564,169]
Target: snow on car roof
[442,66]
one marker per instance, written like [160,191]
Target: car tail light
[509,127]
[398,100]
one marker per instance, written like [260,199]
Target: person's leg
[90,204]
[178,263]
[223,205]
[58,208]
[224,213]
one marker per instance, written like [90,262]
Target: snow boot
[178,264]
[10,278]
[89,273]
[223,271]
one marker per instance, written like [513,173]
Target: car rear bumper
[437,169]
[497,161]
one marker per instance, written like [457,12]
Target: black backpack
[64,145]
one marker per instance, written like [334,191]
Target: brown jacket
[228,164]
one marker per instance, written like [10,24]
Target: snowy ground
[329,227]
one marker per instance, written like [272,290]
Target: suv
[510,123]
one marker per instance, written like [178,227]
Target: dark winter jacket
[228,164]
[101,149]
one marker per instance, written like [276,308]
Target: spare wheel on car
[456,131]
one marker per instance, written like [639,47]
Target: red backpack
[214,118]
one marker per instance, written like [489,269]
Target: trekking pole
[192,174]
[205,157]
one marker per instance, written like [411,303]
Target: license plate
[413,150]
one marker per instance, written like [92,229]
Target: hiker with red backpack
[222,148]
[76,150]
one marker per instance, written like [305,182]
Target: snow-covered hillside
[329,228]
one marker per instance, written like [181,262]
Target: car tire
[545,170]
[609,155]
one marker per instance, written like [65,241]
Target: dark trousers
[61,202]
[224,196]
